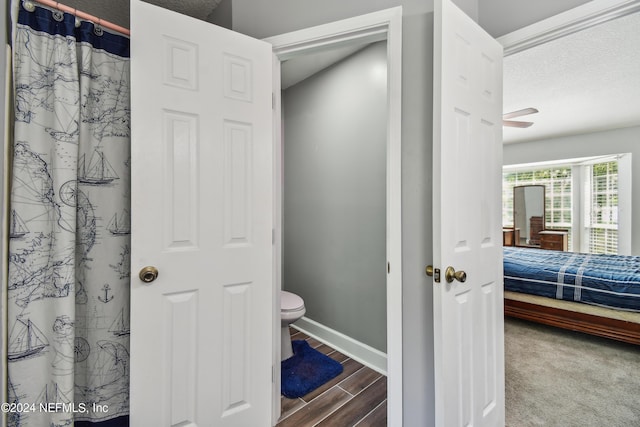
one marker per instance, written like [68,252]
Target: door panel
[469,326]
[202,158]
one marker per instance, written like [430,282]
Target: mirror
[528,214]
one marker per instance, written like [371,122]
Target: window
[558,187]
[601,213]
[581,196]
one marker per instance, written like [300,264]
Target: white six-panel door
[468,322]
[201,333]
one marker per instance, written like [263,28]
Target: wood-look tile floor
[357,397]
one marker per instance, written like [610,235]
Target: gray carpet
[563,378]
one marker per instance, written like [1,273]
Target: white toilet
[291,309]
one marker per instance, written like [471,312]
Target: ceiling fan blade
[516,124]
[519,113]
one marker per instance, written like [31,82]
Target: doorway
[384,27]
[334,200]
[598,119]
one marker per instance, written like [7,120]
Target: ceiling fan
[518,113]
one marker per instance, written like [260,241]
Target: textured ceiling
[583,82]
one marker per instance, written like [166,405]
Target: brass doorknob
[450,274]
[148,274]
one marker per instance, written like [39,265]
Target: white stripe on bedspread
[560,286]
[577,291]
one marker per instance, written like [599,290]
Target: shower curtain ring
[57,14]
[97,29]
[28,6]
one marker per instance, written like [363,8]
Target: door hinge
[388,267]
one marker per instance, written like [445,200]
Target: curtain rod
[85,16]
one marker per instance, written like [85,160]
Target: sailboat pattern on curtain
[68,288]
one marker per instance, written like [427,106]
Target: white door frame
[385,24]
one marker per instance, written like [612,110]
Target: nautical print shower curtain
[68,287]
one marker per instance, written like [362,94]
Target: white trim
[562,24]
[356,350]
[625,202]
[362,29]
[277,244]
[395,337]
[376,26]
[546,164]
[578,193]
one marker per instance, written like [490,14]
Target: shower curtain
[68,287]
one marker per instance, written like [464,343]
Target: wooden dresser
[536,225]
[510,236]
[556,240]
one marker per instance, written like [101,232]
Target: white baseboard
[367,355]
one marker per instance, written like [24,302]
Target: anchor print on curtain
[68,287]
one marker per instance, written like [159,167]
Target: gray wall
[263,18]
[222,15]
[117,11]
[335,195]
[625,140]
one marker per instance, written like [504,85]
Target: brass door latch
[434,272]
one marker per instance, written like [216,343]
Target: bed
[596,294]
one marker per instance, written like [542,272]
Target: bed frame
[601,326]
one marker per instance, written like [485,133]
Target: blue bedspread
[606,280]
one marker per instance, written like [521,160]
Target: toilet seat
[290,302]
[291,309]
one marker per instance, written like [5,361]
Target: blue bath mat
[306,370]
